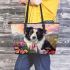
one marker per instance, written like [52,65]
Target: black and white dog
[37,36]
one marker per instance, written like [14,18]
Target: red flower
[17,51]
[22,52]
[51,52]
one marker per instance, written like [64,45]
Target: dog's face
[34,34]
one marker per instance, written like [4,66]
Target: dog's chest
[40,43]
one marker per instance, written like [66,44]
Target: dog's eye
[37,32]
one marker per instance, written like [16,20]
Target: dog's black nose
[34,37]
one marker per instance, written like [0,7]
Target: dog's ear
[42,30]
[27,30]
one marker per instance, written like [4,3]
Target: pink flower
[22,43]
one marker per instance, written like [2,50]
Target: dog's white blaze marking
[34,34]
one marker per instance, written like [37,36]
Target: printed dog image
[36,37]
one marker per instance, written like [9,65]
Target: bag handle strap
[26,19]
[42,19]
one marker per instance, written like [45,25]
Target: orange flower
[17,51]
[26,51]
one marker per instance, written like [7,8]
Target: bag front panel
[43,46]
